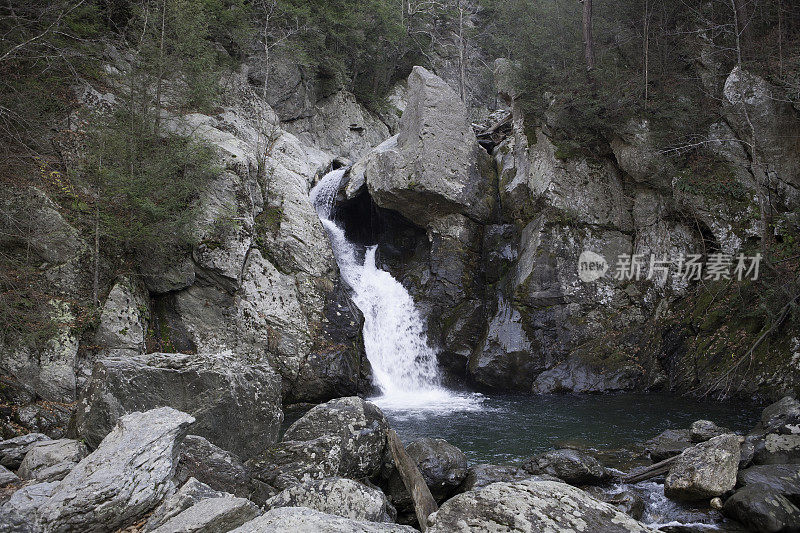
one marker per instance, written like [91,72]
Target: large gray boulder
[434,166]
[288,463]
[668,443]
[778,449]
[12,451]
[530,506]
[442,465]
[337,496]
[781,478]
[358,428]
[305,520]
[125,477]
[52,460]
[571,466]
[210,464]
[211,515]
[704,471]
[781,417]
[237,405]
[763,510]
[703,430]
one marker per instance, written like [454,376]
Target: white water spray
[403,364]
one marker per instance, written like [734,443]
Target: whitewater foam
[404,366]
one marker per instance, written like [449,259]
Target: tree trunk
[646,43]
[461,53]
[160,65]
[742,27]
[424,504]
[588,39]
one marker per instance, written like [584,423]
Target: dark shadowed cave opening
[367,224]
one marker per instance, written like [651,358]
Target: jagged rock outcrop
[125,477]
[211,515]
[528,506]
[434,166]
[237,405]
[124,319]
[190,493]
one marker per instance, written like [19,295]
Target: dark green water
[512,427]
[507,428]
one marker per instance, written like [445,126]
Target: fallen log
[424,504]
[650,472]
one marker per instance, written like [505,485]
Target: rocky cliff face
[486,236]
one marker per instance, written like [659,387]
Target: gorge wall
[486,237]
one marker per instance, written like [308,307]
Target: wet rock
[51,460]
[481,475]
[626,501]
[304,520]
[7,477]
[705,470]
[784,479]
[442,465]
[530,506]
[703,430]
[778,449]
[125,477]
[337,496]
[571,466]
[668,444]
[12,451]
[506,358]
[211,515]
[190,493]
[288,463]
[18,514]
[210,464]
[763,511]
[237,404]
[781,417]
[357,427]
[573,376]
[751,442]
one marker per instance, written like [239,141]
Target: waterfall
[404,366]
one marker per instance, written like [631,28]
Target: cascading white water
[403,364]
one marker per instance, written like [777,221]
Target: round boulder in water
[571,466]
